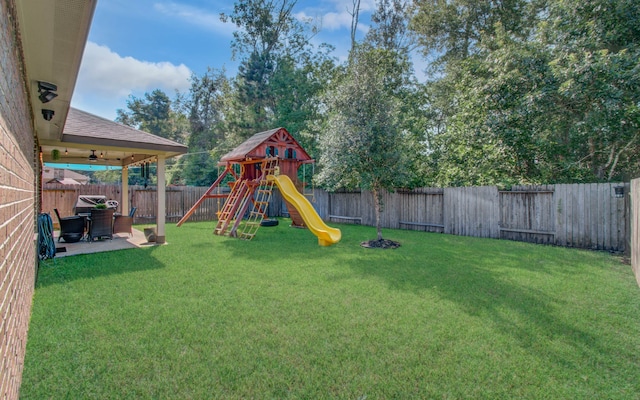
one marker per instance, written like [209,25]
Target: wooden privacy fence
[635,227]
[64,197]
[179,200]
[586,216]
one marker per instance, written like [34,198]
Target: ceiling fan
[93,157]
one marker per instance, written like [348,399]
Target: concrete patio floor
[120,241]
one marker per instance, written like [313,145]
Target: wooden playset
[266,158]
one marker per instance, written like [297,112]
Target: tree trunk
[377,206]
[355,15]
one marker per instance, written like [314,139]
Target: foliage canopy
[516,91]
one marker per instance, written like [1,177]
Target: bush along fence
[589,216]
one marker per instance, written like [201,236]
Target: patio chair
[101,224]
[123,223]
[71,228]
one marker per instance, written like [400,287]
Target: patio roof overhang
[114,144]
[53,34]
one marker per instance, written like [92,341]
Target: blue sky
[138,46]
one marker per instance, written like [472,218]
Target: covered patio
[120,241]
[91,140]
[53,34]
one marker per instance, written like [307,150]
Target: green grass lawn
[281,317]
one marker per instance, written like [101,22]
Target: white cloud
[337,15]
[113,75]
[107,78]
[196,16]
[333,18]
[336,20]
[365,5]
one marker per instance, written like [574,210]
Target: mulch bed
[380,244]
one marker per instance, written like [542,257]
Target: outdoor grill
[86,202]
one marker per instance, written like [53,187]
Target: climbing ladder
[239,201]
[238,196]
[261,201]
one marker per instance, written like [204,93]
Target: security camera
[46,91]
[48,114]
[47,86]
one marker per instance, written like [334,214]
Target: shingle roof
[250,148]
[82,127]
[240,152]
[49,173]
[65,181]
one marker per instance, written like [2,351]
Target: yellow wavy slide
[326,234]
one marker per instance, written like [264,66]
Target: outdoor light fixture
[47,114]
[46,91]
[93,157]
[619,191]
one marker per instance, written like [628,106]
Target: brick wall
[18,200]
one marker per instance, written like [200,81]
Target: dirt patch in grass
[380,244]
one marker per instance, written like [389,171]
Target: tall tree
[268,32]
[204,106]
[390,31]
[551,102]
[390,26]
[280,75]
[595,46]
[267,27]
[296,86]
[452,29]
[154,114]
[355,17]
[490,137]
[362,145]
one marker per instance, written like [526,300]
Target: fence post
[627,220]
